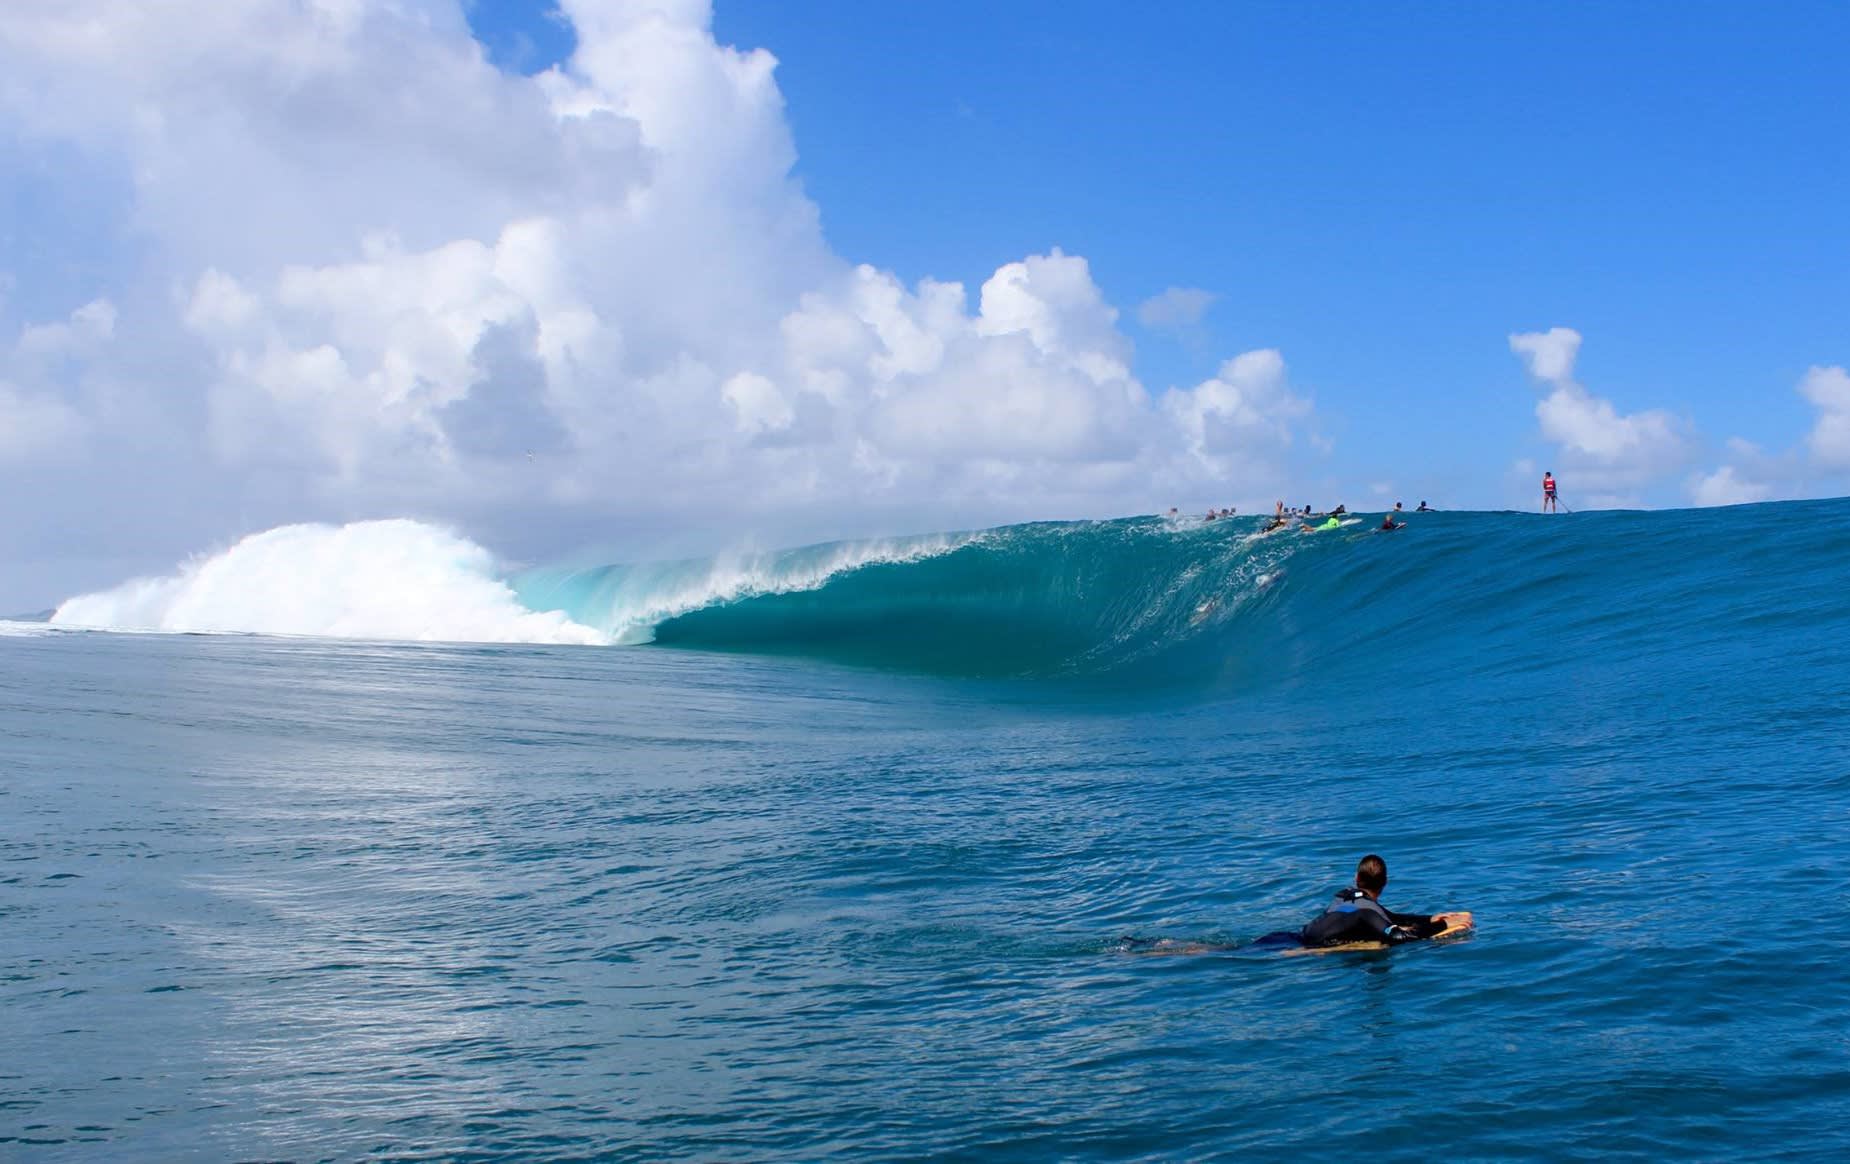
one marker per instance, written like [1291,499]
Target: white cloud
[89,326]
[1590,426]
[1828,388]
[36,421]
[1175,309]
[33,426]
[1549,355]
[1803,470]
[372,273]
[1246,409]
[1606,448]
[1038,376]
[761,407]
[1725,486]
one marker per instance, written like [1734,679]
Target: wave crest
[628,602]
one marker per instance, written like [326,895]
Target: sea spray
[396,579]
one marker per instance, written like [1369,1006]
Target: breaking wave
[1138,600]
[1028,599]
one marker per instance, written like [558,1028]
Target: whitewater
[848,851]
[409,581]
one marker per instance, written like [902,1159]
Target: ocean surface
[834,853]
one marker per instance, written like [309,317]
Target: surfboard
[1457,924]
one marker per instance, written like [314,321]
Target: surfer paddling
[1549,504]
[1357,915]
[1355,919]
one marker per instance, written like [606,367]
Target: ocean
[856,852]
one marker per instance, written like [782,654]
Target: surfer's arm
[1418,925]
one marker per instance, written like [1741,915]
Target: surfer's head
[1371,875]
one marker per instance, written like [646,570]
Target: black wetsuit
[1355,917]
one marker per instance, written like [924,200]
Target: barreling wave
[1034,599]
[627,603]
[1137,600]
[1025,600]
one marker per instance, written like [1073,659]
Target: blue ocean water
[842,869]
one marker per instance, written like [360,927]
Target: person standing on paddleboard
[1549,504]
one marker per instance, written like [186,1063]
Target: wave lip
[392,579]
[628,603]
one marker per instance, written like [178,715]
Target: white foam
[396,579]
[24,630]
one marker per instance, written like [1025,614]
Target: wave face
[1027,600]
[1139,600]
[1149,602]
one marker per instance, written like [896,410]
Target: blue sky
[1384,193]
[600,278]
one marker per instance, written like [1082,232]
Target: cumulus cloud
[1818,462]
[89,326]
[33,426]
[1607,448]
[1726,486]
[359,270]
[46,361]
[1176,309]
[1548,355]
[1828,389]
[1246,408]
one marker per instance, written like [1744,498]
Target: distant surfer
[1388,522]
[1357,915]
[1549,505]
[1279,521]
[1425,508]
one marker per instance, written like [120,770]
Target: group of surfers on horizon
[1309,522]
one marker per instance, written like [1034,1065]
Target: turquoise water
[844,871]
